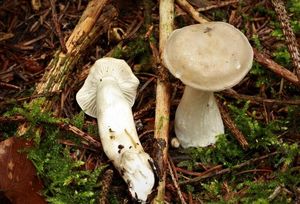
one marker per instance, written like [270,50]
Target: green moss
[262,138]
[78,120]
[282,56]
[65,179]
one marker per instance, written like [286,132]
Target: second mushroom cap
[211,56]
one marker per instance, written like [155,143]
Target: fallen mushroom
[108,94]
[18,178]
[206,57]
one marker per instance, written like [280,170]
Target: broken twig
[290,37]
[276,68]
[228,170]
[162,110]
[239,136]
[192,11]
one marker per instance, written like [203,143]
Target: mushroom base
[120,141]
[198,120]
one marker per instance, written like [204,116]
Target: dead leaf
[18,179]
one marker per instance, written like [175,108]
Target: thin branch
[68,127]
[105,186]
[219,5]
[228,170]
[187,7]
[80,133]
[257,99]
[290,37]
[57,27]
[239,136]
[174,179]
[267,62]
[162,109]
[12,119]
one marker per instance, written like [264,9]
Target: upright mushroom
[108,94]
[206,57]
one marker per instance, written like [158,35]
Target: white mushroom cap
[212,56]
[111,68]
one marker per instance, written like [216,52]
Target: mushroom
[108,94]
[206,57]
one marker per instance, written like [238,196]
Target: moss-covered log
[90,26]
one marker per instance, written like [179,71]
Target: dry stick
[9,86]
[7,101]
[228,170]
[80,133]
[276,68]
[105,186]
[57,27]
[289,34]
[192,11]
[64,126]
[60,67]
[10,119]
[219,5]
[257,99]
[175,181]
[232,126]
[162,109]
[191,173]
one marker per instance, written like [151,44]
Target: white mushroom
[206,57]
[108,94]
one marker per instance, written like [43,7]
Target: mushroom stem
[198,120]
[120,140]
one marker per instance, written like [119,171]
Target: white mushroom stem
[198,120]
[120,140]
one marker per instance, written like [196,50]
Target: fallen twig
[191,173]
[57,27]
[174,179]
[290,37]
[64,126]
[9,86]
[105,186]
[80,133]
[276,68]
[162,110]
[16,100]
[257,99]
[228,170]
[11,119]
[239,136]
[192,11]
[219,5]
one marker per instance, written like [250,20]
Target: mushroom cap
[212,56]
[111,68]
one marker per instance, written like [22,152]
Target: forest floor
[55,150]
